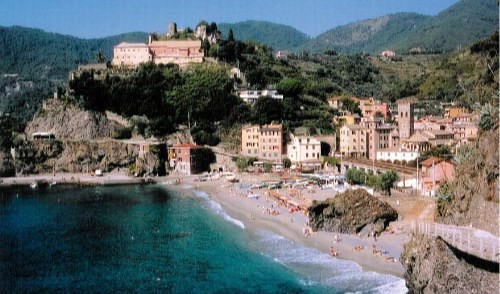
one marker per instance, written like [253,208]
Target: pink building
[131,54]
[175,51]
[435,172]
[369,107]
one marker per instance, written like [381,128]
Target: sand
[255,214]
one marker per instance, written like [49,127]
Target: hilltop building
[166,50]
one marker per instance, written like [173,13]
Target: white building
[304,152]
[251,96]
[397,153]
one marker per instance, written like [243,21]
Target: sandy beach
[264,212]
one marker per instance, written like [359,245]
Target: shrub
[123,133]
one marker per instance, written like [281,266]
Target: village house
[435,172]
[453,111]
[388,54]
[263,142]
[397,154]
[370,107]
[353,141]
[281,54]
[251,96]
[187,159]
[304,152]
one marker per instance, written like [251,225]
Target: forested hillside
[35,53]
[455,27]
[278,36]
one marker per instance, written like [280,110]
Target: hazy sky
[98,18]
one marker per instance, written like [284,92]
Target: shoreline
[251,212]
[75,179]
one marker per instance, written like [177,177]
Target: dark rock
[431,266]
[351,212]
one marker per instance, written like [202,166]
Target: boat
[253,196]
[53,183]
[34,185]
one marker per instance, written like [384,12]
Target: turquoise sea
[148,239]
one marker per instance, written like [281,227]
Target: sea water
[149,239]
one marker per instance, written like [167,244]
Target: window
[307,155]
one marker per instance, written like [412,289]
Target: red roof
[186,145]
[431,160]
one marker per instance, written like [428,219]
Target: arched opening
[325,149]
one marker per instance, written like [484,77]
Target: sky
[100,18]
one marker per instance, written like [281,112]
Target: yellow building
[454,112]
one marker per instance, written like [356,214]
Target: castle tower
[405,118]
[172,29]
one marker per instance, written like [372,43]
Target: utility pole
[416,189]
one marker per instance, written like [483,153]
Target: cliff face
[6,164]
[67,121]
[432,267]
[75,156]
[474,197]
[351,212]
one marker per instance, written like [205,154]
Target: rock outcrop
[431,266]
[354,211]
[75,156]
[69,122]
[6,165]
[474,198]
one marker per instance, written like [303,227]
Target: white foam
[316,267]
[217,209]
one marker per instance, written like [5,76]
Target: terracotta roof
[174,43]
[131,45]
[417,138]
[431,160]
[187,145]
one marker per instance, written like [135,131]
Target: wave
[317,268]
[217,209]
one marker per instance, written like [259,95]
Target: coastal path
[472,241]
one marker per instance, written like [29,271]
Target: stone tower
[405,118]
[172,29]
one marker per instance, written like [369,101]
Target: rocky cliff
[67,121]
[473,199]
[354,211]
[75,156]
[431,266]
[6,164]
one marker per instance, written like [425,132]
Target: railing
[466,239]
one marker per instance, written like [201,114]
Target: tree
[488,118]
[267,110]
[355,176]
[230,36]
[241,164]
[330,160]
[387,180]
[99,57]
[268,167]
[287,163]
[290,87]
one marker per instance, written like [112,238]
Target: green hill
[369,35]
[457,26]
[278,36]
[36,53]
